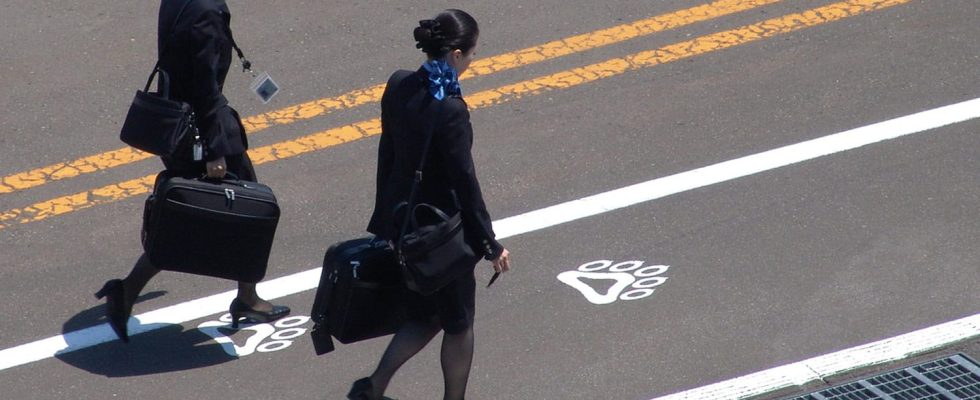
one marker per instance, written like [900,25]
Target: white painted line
[729,170]
[822,367]
[529,222]
[176,314]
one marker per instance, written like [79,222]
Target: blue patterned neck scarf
[443,79]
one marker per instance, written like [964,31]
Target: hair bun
[449,30]
[427,34]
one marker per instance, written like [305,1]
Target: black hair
[450,30]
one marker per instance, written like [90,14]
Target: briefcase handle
[234,178]
[164,82]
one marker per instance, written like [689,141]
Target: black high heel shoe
[241,310]
[362,389]
[116,311]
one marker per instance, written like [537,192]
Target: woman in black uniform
[195,50]
[412,105]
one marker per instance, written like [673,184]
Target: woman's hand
[217,168]
[502,263]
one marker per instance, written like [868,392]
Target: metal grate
[961,377]
[952,378]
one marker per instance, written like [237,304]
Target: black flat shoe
[241,310]
[116,311]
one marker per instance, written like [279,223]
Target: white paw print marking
[631,280]
[281,334]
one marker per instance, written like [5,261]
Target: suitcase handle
[205,177]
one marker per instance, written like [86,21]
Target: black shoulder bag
[431,256]
[155,123]
[158,124]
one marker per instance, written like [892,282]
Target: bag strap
[246,64]
[410,209]
[166,45]
[433,209]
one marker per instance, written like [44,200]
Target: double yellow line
[561,80]
[317,108]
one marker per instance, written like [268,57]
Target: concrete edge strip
[528,222]
[822,367]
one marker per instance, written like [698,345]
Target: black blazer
[449,181]
[197,59]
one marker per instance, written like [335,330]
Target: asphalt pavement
[752,273]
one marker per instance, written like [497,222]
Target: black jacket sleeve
[217,121]
[455,144]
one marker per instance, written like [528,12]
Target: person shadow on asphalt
[163,348]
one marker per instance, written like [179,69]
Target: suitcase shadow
[165,348]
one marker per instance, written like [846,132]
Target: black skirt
[453,305]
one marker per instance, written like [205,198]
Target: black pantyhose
[144,270]
[457,356]
[137,279]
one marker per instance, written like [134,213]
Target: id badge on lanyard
[263,86]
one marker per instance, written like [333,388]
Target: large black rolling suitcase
[360,295]
[221,228]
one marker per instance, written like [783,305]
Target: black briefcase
[360,296]
[220,228]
